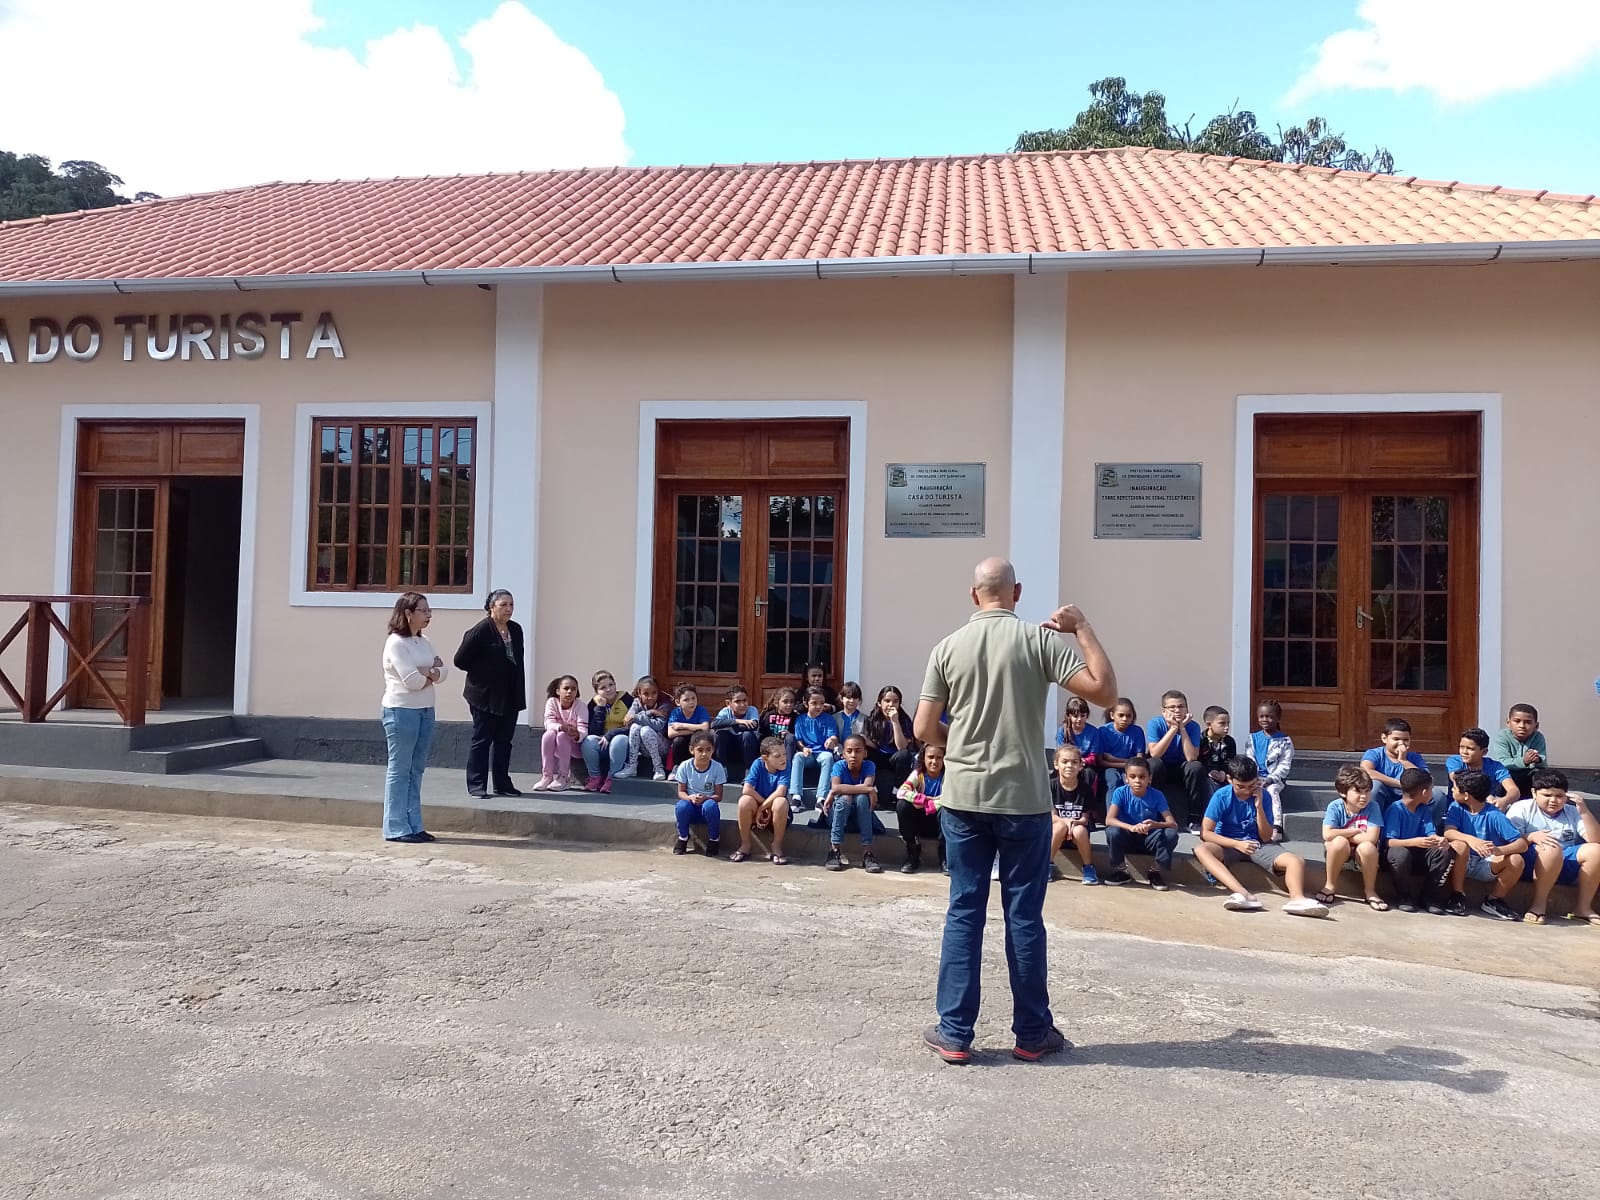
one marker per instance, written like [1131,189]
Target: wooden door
[1366,562]
[121,547]
[749,553]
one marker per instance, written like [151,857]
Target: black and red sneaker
[952,1052]
[1053,1042]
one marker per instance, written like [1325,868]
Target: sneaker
[1242,902]
[953,1053]
[835,861]
[1306,907]
[1194,828]
[1090,875]
[1056,874]
[1436,909]
[869,863]
[659,777]
[422,835]
[1116,877]
[1209,877]
[592,784]
[945,867]
[1156,882]
[681,846]
[1279,835]
[545,784]
[712,847]
[1456,906]
[605,786]
[913,862]
[1406,906]
[1497,907]
[1053,1042]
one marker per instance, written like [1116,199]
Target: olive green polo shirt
[994,676]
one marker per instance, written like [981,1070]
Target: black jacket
[494,683]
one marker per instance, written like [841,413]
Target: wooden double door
[157,515]
[749,553]
[1366,576]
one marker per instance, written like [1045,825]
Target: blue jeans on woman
[408,731]
[972,840]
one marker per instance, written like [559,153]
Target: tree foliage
[30,188]
[1119,117]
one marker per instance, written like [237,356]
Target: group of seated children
[1183,756]
[1387,816]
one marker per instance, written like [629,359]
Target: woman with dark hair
[887,730]
[496,692]
[410,670]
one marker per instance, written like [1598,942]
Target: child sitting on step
[647,729]
[1070,820]
[700,778]
[564,726]
[917,808]
[1352,829]
[1237,829]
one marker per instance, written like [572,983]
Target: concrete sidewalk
[639,813]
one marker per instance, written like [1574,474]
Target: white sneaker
[1306,907]
[659,777]
[1241,902]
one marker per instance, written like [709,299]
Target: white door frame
[652,412]
[1491,529]
[66,499]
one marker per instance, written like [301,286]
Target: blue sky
[720,80]
[1478,90]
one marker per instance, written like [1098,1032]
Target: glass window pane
[683,649]
[1302,518]
[1327,618]
[1275,518]
[1382,519]
[1407,618]
[732,516]
[1436,618]
[1407,567]
[1437,518]
[705,651]
[706,555]
[1407,519]
[688,507]
[1298,671]
[1382,568]
[1300,614]
[1436,568]
[728,607]
[1383,665]
[1302,565]
[727,652]
[1327,664]
[1407,666]
[1274,565]
[776,653]
[824,525]
[709,516]
[802,516]
[1274,615]
[683,606]
[1327,518]
[1272,664]
[1328,567]
[1436,668]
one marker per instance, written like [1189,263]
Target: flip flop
[1592,919]
[1239,902]
[1327,896]
[1533,918]
[737,856]
[1378,904]
[778,860]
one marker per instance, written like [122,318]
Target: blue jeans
[408,732]
[737,749]
[971,840]
[616,745]
[797,772]
[843,808]
[708,814]
[1158,844]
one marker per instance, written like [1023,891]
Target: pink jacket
[555,716]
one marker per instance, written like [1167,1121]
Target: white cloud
[1460,50]
[177,97]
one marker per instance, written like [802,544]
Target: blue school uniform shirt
[701,782]
[1493,768]
[1087,741]
[1490,824]
[842,773]
[1128,744]
[1234,814]
[814,732]
[764,781]
[698,717]
[1401,823]
[1384,794]
[1152,806]
[1337,817]
[1157,728]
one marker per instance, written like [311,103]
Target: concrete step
[197,756]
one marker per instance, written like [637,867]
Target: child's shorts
[1479,869]
[1265,857]
[1569,864]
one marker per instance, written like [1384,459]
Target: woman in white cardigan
[410,670]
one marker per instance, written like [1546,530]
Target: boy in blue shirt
[1494,847]
[1138,821]
[816,737]
[700,778]
[1237,828]
[1117,743]
[1418,856]
[1383,764]
[1172,743]
[764,802]
[736,729]
[1563,845]
[1352,828]
[852,787]
[1472,755]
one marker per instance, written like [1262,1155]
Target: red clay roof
[1126,199]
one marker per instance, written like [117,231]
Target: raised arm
[1096,682]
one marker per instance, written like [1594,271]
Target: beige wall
[1156,362]
[401,345]
[910,349]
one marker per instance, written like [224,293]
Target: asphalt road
[192,1008]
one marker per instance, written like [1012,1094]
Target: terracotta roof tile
[1126,199]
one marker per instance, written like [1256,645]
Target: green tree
[1119,117]
[30,188]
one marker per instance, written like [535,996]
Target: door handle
[1362,616]
[760,605]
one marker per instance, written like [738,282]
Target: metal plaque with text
[1147,500]
[928,500]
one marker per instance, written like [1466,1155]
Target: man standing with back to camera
[993,677]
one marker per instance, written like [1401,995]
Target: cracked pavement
[194,1008]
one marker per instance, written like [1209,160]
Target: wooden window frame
[394,504]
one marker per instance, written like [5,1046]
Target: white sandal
[1240,902]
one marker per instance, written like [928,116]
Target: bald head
[994,584]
